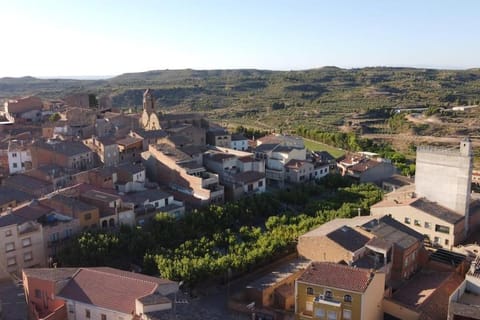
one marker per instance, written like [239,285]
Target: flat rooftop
[279,274]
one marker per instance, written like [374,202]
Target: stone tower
[150,119]
[445,176]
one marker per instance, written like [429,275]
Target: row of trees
[352,142]
[217,240]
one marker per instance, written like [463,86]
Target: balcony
[321,299]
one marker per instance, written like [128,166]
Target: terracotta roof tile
[364,166]
[110,288]
[337,276]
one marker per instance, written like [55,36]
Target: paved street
[212,305]
[13,301]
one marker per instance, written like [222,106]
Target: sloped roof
[128,140]
[436,210]
[296,164]
[266,147]
[110,288]
[348,238]
[145,195]
[8,194]
[393,232]
[238,137]
[364,166]
[249,176]
[337,276]
[56,274]
[68,148]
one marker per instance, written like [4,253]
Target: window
[442,229]
[11,261]
[87,313]
[446,242]
[14,165]
[10,246]
[38,293]
[416,222]
[427,225]
[27,256]
[27,242]
[309,306]
[8,233]
[88,216]
[104,316]
[436,240]
[320,313]
[332,315]
[407,220]
[260,183]
[347,298]
[347,314]
[14,155]
[310,291]
[406,261]
[328,294]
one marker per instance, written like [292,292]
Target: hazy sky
[103,37]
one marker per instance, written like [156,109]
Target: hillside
[325,98]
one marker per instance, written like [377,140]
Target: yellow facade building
[334,292]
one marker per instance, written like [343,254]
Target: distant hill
[317,98]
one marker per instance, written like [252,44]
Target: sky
[52,38]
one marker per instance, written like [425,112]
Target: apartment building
[72,155]
[238,142]
[106,149]
[219,137]
[442,226]
[22,238]
[238,171]
[130,149]
[23,109]
[402,248]
[440,207]
[177,170]
[334,291]
[19,156]
[88,215]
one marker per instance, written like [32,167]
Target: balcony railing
[328,301]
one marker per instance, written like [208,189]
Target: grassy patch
[318,146]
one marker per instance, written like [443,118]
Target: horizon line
[105,77]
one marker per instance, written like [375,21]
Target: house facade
[442,226]
[238,142]
[22,239]
[106,149]
[180,172]
[19,157]
[72,155]
[334,291]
